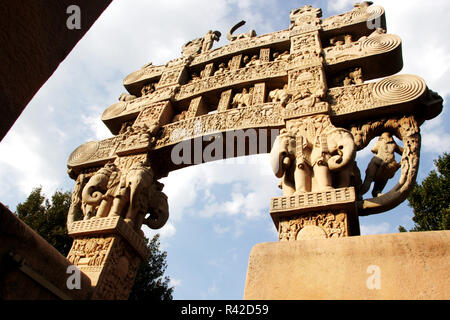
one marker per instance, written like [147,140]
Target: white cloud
[184,188]
[340,6]
[221,229]
[434,136]
[97,127]
[167,233]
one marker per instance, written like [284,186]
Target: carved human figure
[383,166]
[253,61]
[356,76]
[200,45]
[148,88]
[209,39]
[180,116]
[222,68]
[194,77]
[146,134]
[243,99]
[75,203]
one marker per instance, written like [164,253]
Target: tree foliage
[150,283]
[48,219]
[431,199]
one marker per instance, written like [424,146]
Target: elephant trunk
[346,153]
[159,211]
[279,154]
[90,196]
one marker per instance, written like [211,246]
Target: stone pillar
[197,108]
[208,71]
[316,215]
[225,100]
[259,93]
[264,55]
[109,252]
[236,62]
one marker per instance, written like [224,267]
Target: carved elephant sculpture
[97,193]
[304,165]
[158,208]
[144,196]
[280,95]
[131,195]
[340,156]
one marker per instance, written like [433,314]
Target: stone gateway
[304,91]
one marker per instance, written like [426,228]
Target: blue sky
[219,210]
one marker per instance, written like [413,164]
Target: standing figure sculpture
[209,39]
[200,45]
[383,166]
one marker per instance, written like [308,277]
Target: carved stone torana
[307,83]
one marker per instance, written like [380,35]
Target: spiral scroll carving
[399,88]
[83,153]
[381,43]
[374,12]
[369,13]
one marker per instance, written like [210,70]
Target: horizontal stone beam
[395,95]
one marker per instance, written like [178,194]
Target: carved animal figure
[131,195]
[127,97]
[143,195]
[98,193]
[306,161]
[280,95]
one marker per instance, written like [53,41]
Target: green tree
[150,283]
[431,199]
[48,219]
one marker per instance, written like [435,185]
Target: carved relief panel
[333,224]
